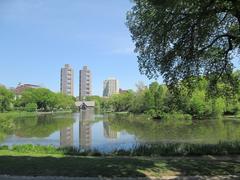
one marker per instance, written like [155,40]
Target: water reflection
[109,132]
[105,132]
[66,137]
[41,130]
[85,128]
[200,131]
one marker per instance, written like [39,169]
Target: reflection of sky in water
[118,140]
[53,139]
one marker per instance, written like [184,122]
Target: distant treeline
[34,99]
[159,101]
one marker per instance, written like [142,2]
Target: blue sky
[37,37]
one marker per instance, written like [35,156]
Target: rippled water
[106,132]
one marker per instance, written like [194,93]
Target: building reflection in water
[66,137]
[108,132]
[85,129]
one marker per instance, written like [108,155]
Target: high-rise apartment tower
[67,80]
[110,87]
[85,83]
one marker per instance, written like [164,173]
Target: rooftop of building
[22,87]
[85,67]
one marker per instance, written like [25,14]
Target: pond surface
[107,132]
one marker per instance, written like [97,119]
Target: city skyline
[67,84]
[38,38]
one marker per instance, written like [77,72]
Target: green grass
[13,114]
[32,154]
[28,148]
[29,160]
[182,149]
[150,150]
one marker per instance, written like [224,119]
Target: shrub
[159,149]
[219,107]
[31,107]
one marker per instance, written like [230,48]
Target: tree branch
[229,36]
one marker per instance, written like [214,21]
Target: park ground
[25,164]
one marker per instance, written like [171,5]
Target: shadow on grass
[191,167]
[73,166]
[114,167]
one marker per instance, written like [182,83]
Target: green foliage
[63,101]
[45,100]
[160,149]
[168,117]
[159,102]
[7,122]
[122,102]
[177,128]
[6,98]
[138,104]
[31,107]
[180,39]
[219,106]
[26,124]
[198,104]
[182,149]
[41,126]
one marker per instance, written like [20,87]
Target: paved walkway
[100,178]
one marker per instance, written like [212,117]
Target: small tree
[6,98]
[31,107]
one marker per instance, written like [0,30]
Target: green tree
[138,104]
[45,99]
[63,101]
[122,102]
[198,103]
[180,39]
[106,104]
[6,99]
[219,107]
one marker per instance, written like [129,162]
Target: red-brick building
[22,87]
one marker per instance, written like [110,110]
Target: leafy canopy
[6,98]
[180,39]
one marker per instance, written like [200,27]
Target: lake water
[88,130]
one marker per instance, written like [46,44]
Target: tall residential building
[85,83]
[67,80]
[110,87]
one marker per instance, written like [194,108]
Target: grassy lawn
[13,163]
[17,114]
